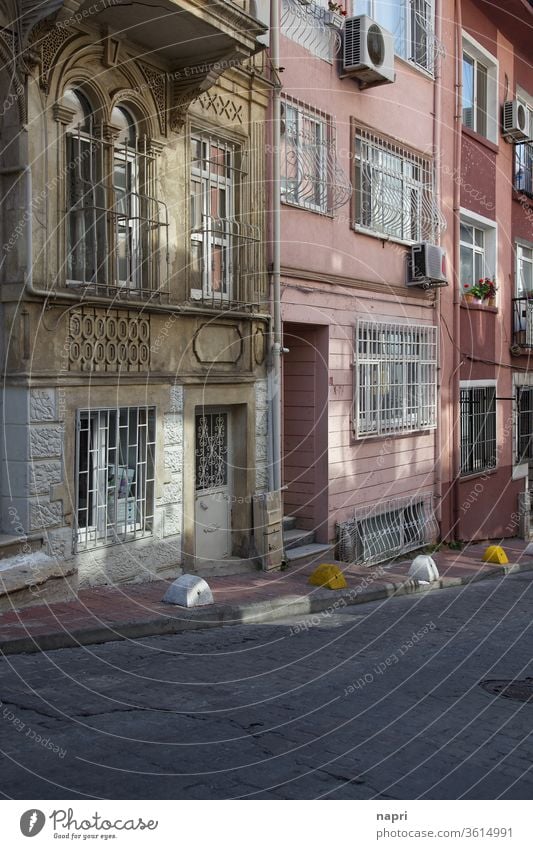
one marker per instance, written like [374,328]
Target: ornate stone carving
[108,341]
[222,106]
[157,83]
[48,41]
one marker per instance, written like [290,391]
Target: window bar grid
[228,246]
[395,377]
[478,429]
[394,190]
[115,475]
[98,213]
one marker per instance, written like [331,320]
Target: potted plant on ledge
[334,14]
[487,290]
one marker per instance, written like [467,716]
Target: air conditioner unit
[516,121]
[426,266]
[367,51]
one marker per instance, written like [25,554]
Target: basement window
[115,465]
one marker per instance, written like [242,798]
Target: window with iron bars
[393,190]
[305,143]
[395,371]
[523,173]
[224,258]
[412,24]
[478,429]
[115,469]
[524,424]
[116,229]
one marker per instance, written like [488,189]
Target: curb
[227,614]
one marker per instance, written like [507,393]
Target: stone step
[308,552]
[297,537]
[289,523]
[12,545]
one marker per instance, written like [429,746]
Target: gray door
[212,510]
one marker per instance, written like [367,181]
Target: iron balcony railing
[523,322]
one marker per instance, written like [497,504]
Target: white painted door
[212,512]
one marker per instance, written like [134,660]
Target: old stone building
[134,289]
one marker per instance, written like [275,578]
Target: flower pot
[468,298]
[491,302]
[478,301]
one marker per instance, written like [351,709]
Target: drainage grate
[520,690]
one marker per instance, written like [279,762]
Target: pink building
[360,442]
[489,411]
[400,400]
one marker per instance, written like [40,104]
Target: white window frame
[115,500]
[390,201]
[479,56]
[385,352]
[472,385]
[405,32]
[522,245]
[302,156]
[490,248]
[207,235]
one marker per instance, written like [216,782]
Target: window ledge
[480,139]
[480,307]
[383,237]
[482,473]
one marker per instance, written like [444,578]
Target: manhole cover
[520,690]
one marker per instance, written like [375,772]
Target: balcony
[523,322]
[186,34]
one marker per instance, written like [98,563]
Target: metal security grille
[310,172]
[115,462]
[225,249]
[117,230]
[211,451]
[379,532]
[313,26]
[523,322]
[412,24]
[395,370]
[524,422]
[523,177]
[478,429]
[394,190]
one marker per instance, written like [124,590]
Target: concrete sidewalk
[130,611]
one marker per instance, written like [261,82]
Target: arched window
[116,228]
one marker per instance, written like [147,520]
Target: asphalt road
[375,701]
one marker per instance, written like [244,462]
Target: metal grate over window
[224,247]
[478,429]
[524,422]
[395,370]
[116,229]
[523,174]
[381,531]
[115,467]
[394,190]
[311,175]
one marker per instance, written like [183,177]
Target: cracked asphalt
[375,701]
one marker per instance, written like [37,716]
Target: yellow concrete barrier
[328,575]
[495,554]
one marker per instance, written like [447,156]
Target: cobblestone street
[374,701]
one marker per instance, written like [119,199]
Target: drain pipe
[276,349]
[437,141]
[455,377]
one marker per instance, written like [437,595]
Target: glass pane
[479,267]
[467,234]
[480,237]
[468,91]
[467,267]
[481,100]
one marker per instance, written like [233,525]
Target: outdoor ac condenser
[426,266]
